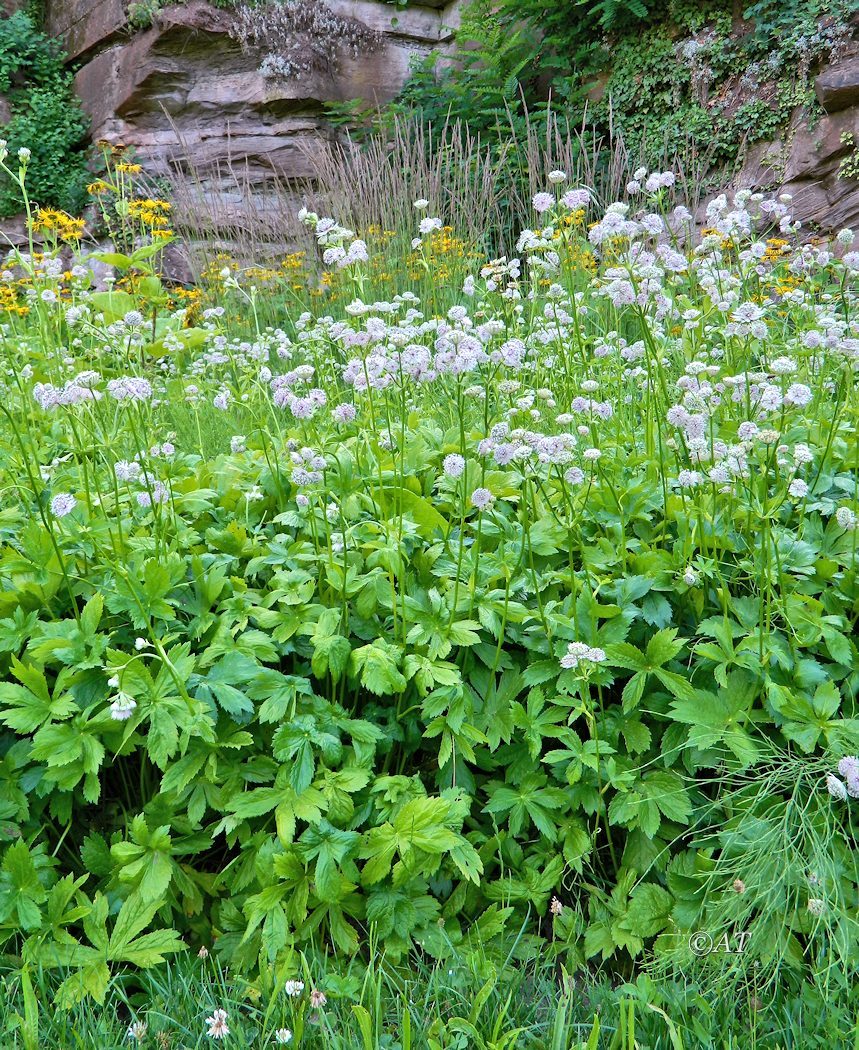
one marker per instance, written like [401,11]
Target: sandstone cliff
[189,99]
[186,96]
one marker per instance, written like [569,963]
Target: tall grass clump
[402,601]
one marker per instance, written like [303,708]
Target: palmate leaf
[27,706]
[377,665]
[76,644]
[649,910]
[532,800]
[420,835]
[808,718]
[21,891]
[125,943]
[719,720]
[145,861]
[16,630]
[401,910]
[328,846]
[663,647]
[297,743]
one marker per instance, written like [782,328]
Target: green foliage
[489,82]
[667,79]
[518,620]
[46,118]
[473,1004]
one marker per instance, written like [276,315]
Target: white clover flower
[137,1031]
[293,988]
[218,1028]
[282,1036]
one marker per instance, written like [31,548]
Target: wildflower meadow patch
[498,615]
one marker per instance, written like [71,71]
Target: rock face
[192,103]
[810,163]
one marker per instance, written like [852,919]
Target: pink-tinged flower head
[122,707]
[218,1028]
[453,465]
[481,498]
[575,199]
[62,504]
[129,388]
[542,202]
[849,766]
[317,999]
[344,413]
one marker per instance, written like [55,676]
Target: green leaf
[649,910]
[378,667]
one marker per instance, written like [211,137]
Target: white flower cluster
[580,655]
[848,787]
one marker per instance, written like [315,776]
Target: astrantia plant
[530,610]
